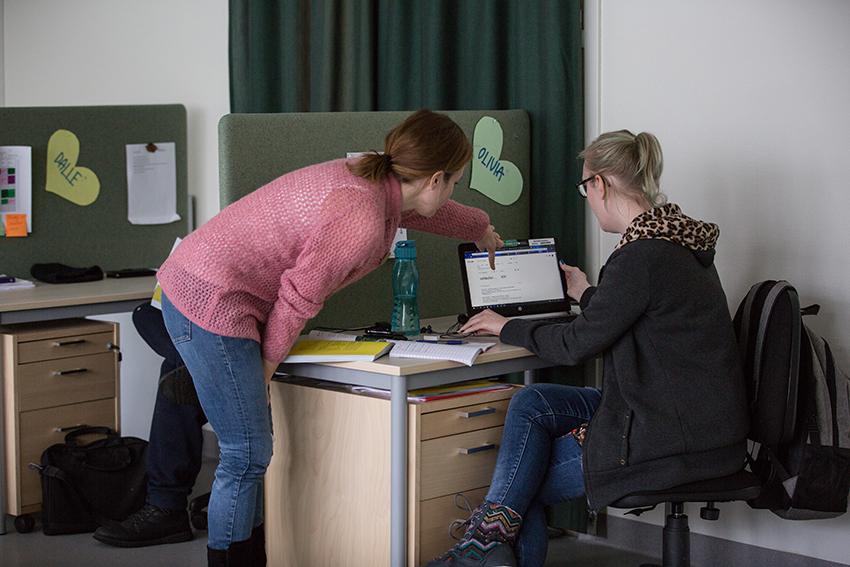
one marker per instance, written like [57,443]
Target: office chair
[772,422]
[676,551]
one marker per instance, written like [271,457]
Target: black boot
[258,546]
[237,555]
[150,525]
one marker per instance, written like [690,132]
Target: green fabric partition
[99,233]
[256,148]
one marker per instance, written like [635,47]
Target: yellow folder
[317,350]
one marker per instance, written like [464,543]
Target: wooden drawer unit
[56,375]
[457,463]
[328,485]
[66,381]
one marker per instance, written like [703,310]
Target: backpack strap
[764,321]
[812,309]
[833,395]
[743,337]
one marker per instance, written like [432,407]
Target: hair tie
[388,160]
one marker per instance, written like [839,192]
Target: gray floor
[36,549]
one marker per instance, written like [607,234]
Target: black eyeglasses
[582,185]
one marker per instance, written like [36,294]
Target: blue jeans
[539,463]
[228,375]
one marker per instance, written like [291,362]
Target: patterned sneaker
[488,541]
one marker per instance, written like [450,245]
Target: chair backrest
[768,327]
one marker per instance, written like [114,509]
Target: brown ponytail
[425,143]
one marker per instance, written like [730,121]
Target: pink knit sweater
[265,265]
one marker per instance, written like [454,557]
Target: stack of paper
[331,336]
[17,284]
[464,353]
[318,350]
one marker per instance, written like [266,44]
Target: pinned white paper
[152,183]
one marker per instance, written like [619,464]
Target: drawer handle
[68,343]
[69,428]
[478,413]
[479,449]
[72,371]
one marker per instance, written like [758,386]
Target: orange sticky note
[16,224]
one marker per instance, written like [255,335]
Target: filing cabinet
[328,485]
[57,375]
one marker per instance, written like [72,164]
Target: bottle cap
[405,249]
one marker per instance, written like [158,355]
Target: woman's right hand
[576,281]
[491,241]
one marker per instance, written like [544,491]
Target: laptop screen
[526,280]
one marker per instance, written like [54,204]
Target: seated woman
[673,409]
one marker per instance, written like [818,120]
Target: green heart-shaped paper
[79,185]
[498,179]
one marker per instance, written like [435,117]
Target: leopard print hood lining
[669,223]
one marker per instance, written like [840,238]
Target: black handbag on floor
[84,486]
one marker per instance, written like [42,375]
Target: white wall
[751,102]
[104,52]
[97,52]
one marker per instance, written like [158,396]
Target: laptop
[527,281]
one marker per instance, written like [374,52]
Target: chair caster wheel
[24,524]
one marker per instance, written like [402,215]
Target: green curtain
[355,55]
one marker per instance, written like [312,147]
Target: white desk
[46,302]
[399,375]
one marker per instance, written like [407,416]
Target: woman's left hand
[485,323]
[490,242]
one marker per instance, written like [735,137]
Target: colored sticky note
[16,225]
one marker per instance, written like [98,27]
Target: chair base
[676,540]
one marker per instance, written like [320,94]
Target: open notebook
[465,353]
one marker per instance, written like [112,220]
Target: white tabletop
[388,365]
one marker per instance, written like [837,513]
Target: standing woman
[673,407]
[239,290]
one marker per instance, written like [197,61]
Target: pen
[443,342]
[7,279]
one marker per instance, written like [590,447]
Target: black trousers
[176,438]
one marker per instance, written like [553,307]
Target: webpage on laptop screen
[522,275]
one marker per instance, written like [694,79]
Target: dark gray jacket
[673,406]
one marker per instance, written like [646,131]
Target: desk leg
[398,464]
[2,454]
[528,377]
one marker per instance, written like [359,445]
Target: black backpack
[84,486]
[799,404]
